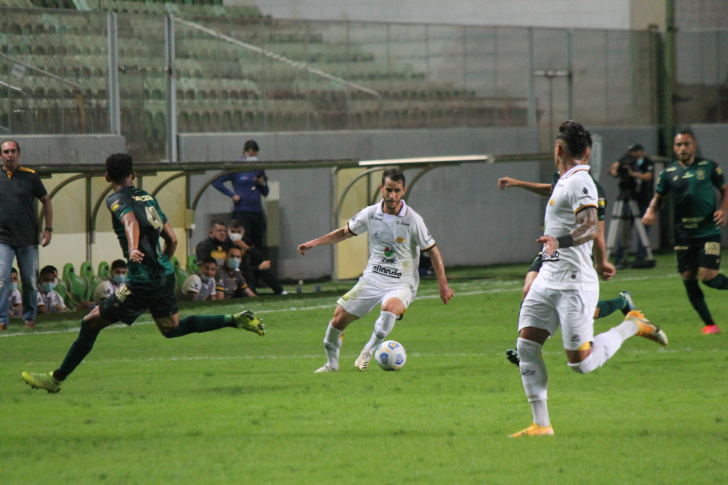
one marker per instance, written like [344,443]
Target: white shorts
[546,308]
[367,294]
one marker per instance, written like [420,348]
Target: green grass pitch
[231,407]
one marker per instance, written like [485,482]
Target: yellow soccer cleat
[247,321]
[646,329]
[534,430]
[42,381]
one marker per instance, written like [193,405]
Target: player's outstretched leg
[719,282]
[199,324]
[608,343]
[697,300]
[382,328]
[535,383]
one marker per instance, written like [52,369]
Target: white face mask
[250,159]
[236,237]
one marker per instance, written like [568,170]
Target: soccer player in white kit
[397,234]
[566,290]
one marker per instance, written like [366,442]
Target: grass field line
[426,296]
[686,350]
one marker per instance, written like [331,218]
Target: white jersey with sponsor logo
[194,284]
[569,268]
[395,243]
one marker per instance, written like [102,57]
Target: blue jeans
[27,257]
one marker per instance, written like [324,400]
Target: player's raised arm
[587,230]
[170,240]
[540,189]
[131,227]
[445,292]
[334,237]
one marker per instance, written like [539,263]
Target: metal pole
[669,77]
[570,78]
[114,103]
[531,82]
[89,225]
[171,90]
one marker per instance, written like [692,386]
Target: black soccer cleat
[512,356]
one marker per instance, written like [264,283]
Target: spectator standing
[201,286]
[117,277]
[254,266]
[19,187]
[247,193]
[49,301]
[229,281]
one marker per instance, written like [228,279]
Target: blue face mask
[48,287]
[204,278]
[119,279]
[13,286]
[233,263]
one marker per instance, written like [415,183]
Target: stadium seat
[104,270]
[192,264]
[76,285]
[179,273]
[92,280]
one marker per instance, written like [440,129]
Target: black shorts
[537,263]
[702,252]
[132,299]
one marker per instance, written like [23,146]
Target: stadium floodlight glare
[427,160]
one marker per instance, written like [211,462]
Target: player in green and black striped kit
[139,223]
[691,182]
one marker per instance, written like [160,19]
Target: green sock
[78,351]
[607,307]
[200,324]
[697,299]
[720,282]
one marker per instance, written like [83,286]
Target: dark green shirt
[18,192]
[601,196]
[151,219]
[693,194]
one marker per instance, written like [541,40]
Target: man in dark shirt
[635,173]
[691,182]
[247,193]
[19,187]
[216,245]
[138,222]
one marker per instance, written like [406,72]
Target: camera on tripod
[627,183]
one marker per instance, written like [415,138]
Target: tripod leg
[641,229]
[613,225]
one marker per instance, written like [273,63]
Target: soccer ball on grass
[390,355]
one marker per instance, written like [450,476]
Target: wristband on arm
[565,241]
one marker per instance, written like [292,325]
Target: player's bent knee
[585,366]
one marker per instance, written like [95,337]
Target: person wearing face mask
[15,306]
[201,286]
[248,190]
[229,281]
[117,277]
[254,266]
[49,301]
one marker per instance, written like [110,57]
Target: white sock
[382,327]
[332,345]
[535,379]
[605,346]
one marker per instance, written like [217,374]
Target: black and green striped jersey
[693,194]
[151,219]
[601,196]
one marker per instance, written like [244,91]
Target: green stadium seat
[192,264]
[88,274]
[76,286]
[178,271]
[104,270]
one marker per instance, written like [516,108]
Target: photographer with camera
[635,172]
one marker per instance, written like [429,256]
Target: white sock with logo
[332,345]
[382,327]
[605,346]
[535,379]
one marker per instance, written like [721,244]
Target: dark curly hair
[577,139]
[119,166]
